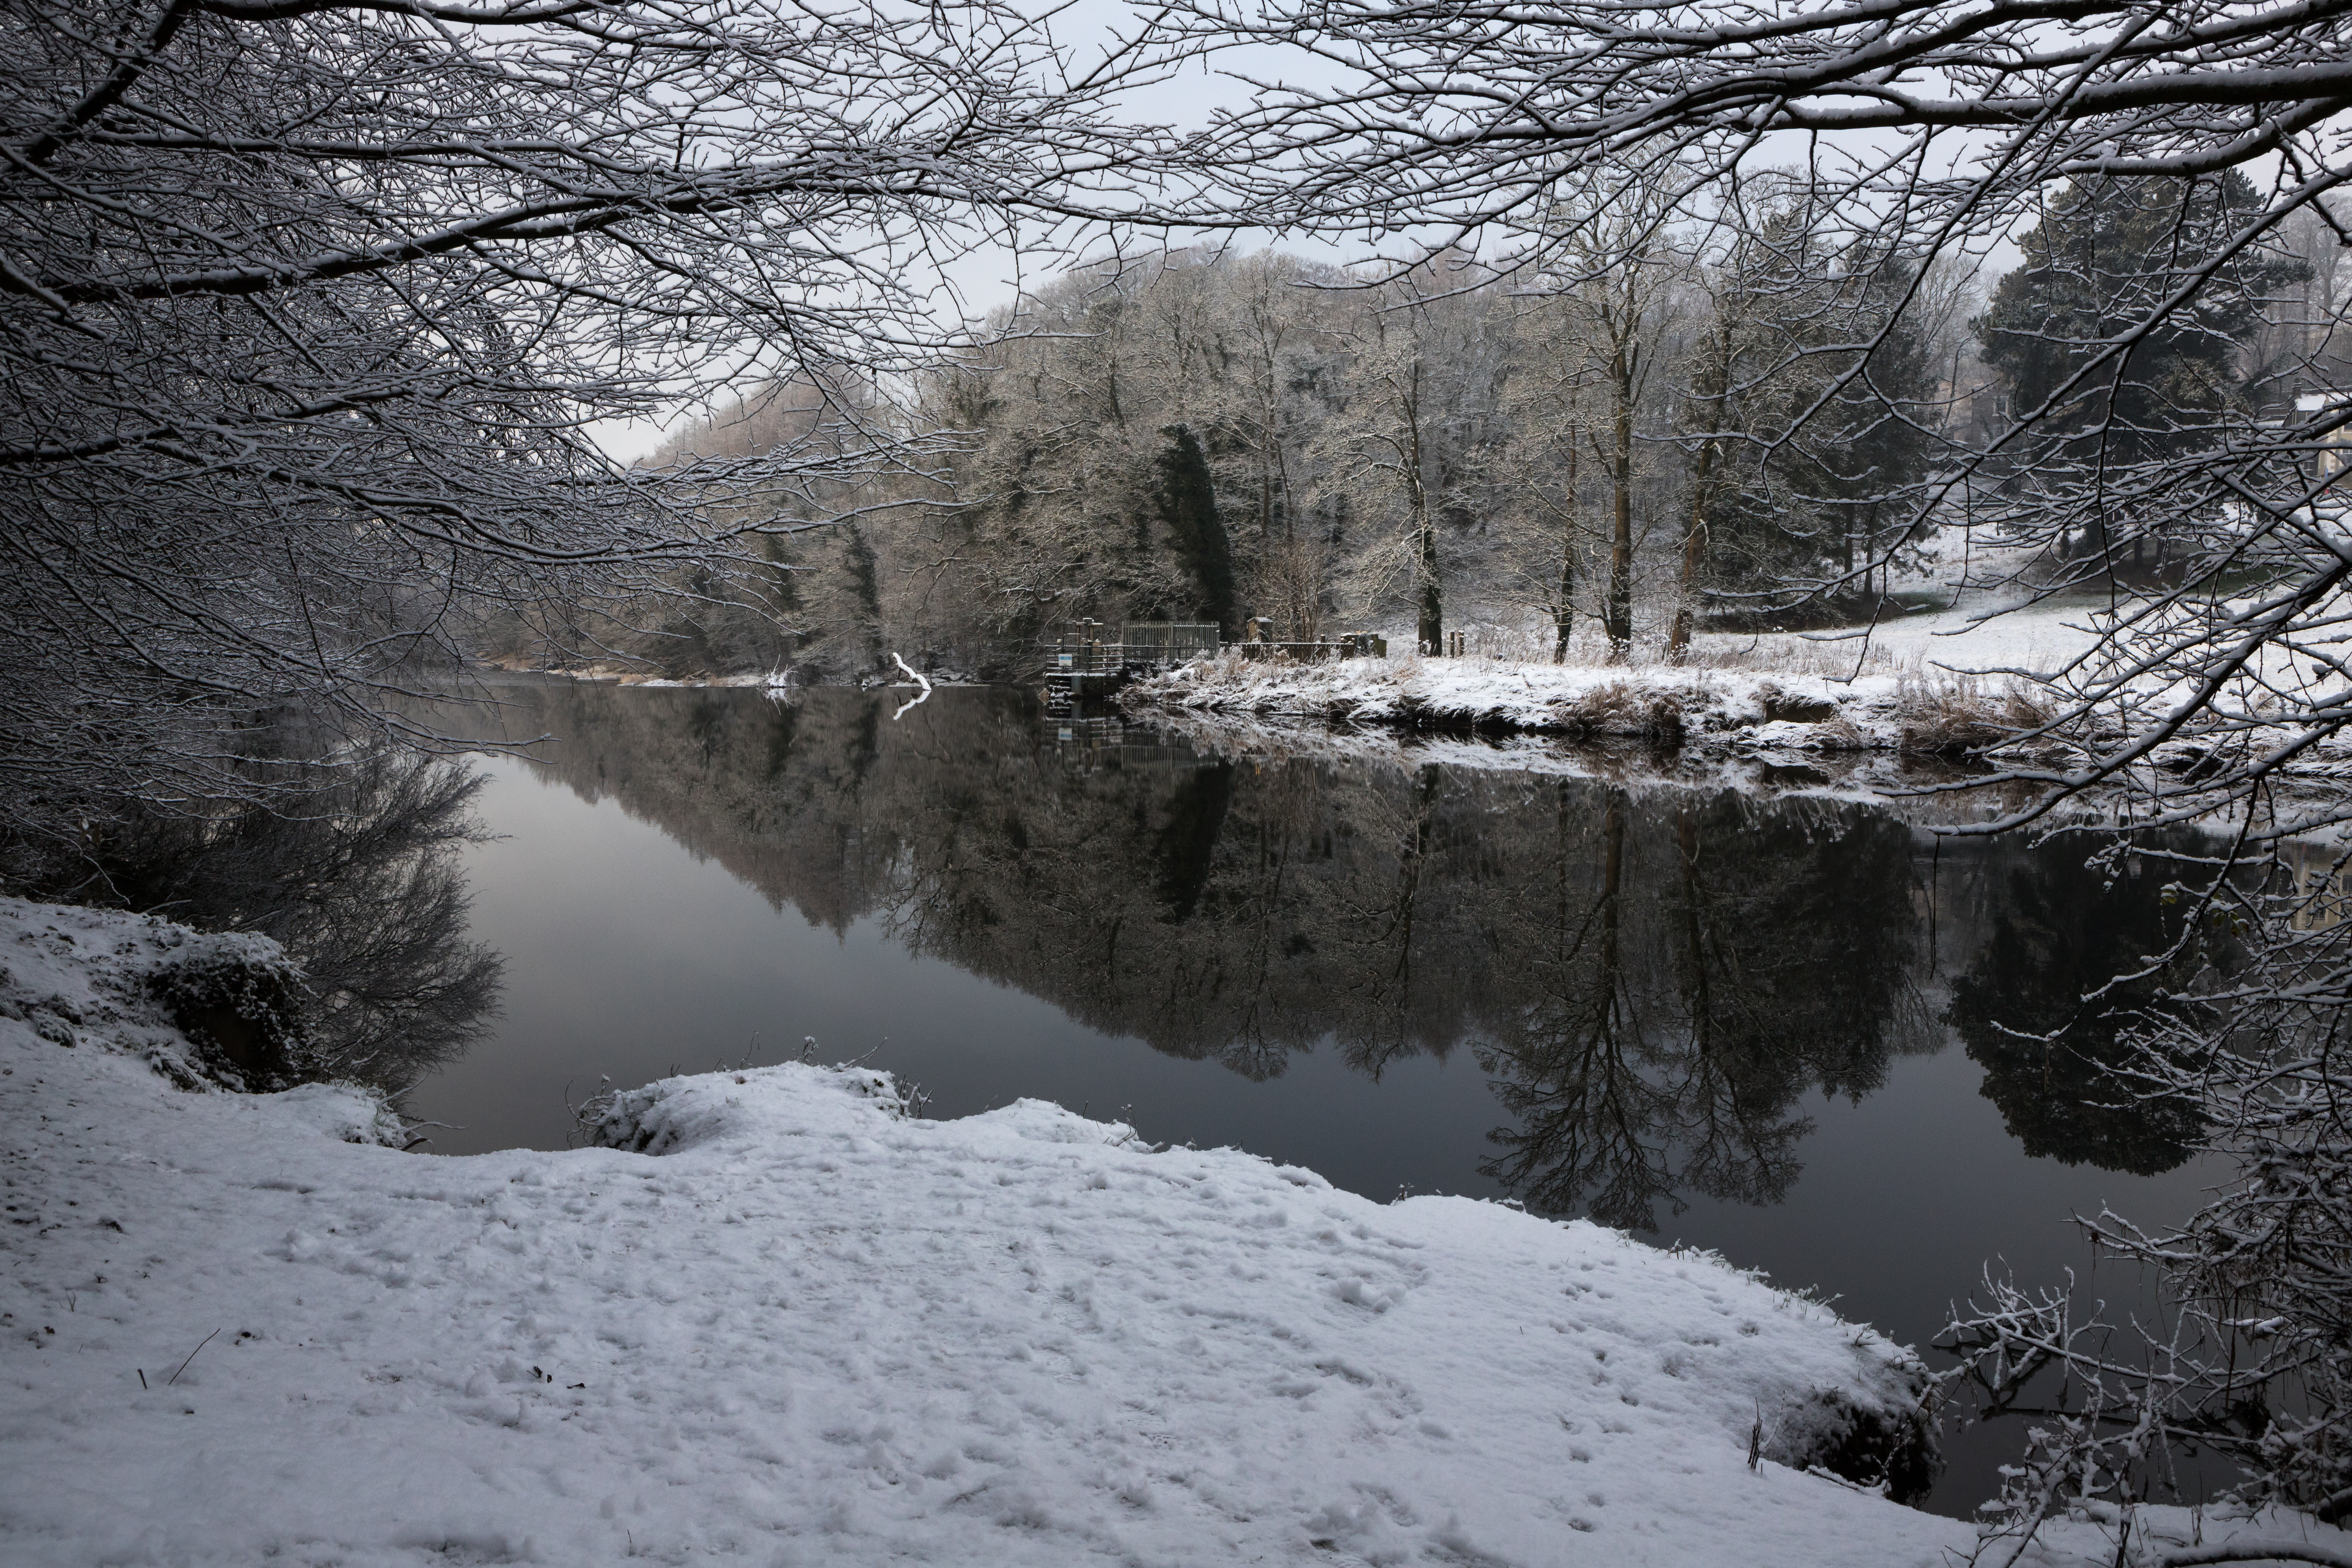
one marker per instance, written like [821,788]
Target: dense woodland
[1547,460]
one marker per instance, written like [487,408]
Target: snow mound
[204,1009]
[817,1327]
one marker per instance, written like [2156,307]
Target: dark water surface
[1769,1026]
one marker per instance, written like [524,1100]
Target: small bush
[1891,1446]
[1958,716]
[1622,707]
[243,1012]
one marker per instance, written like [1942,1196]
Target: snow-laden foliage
[310,316]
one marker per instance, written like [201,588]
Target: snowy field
[1783,693]
[799,1325]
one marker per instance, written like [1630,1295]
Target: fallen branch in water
[920,680]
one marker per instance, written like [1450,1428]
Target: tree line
[316,316]
[1728,424]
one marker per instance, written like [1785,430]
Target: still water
[1773,1027]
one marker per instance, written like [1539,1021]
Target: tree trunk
[1432,632]
[1617,616]
[1694,558]
[1564,608]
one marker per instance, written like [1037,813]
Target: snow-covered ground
[1786,710]
[801,1325]
[1898,685]
[1542,698]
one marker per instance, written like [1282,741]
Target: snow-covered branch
[312,316]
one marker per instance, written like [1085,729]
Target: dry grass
[1533,641]
[1621,708]
[1780,653]
[1947,715]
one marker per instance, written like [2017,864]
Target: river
[1782,1027]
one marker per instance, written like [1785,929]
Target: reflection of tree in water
[1185,851]
[1703,963]
[353,870]
[2050,1046]
[1653,980]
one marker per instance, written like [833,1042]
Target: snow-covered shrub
[240,1004]
[667,1115]
[1889,1444]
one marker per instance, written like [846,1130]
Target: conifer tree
[1186,502]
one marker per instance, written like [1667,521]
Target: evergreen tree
[2106,256]
[866,589]
[1798,480]
[1186,502]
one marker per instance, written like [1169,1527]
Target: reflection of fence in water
[2321,891]
[1085,744]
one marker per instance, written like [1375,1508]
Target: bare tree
[1424,378]
[1616,283]
[310,314]
[1536,478]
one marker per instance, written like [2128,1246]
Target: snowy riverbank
[1778,711]
[1901,689]
[786,1322]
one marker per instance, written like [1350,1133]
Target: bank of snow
[788,1322]
[1902,686]
[1784,711]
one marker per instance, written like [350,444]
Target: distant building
[2336,442]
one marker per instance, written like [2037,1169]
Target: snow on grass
[1933,684]
[788,1322]
[1733,709]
